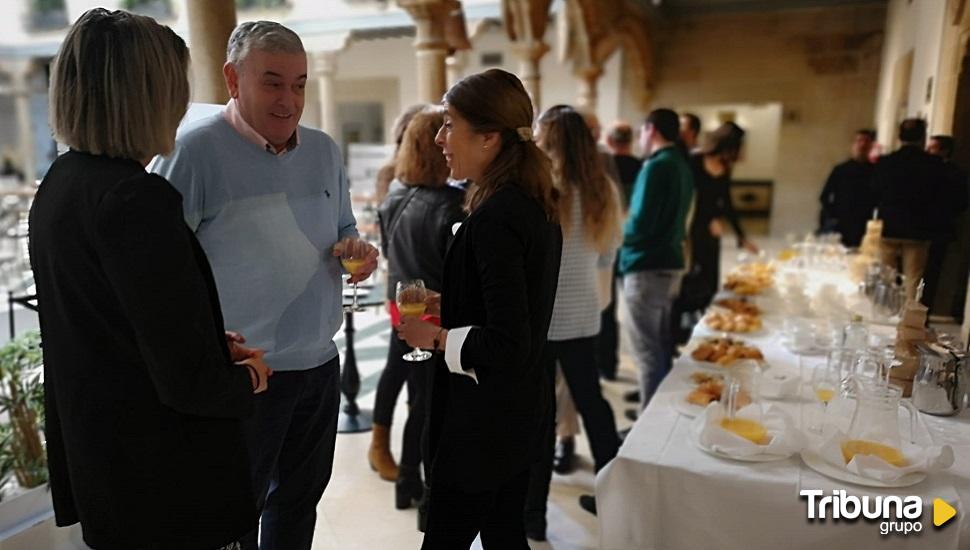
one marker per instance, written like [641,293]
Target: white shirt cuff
[456,339]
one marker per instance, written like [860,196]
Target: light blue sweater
[268,224]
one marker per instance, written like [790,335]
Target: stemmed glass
[411,297]
[353,266]
[826,383]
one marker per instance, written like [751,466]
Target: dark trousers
[396,373]
[455,517]
[291,440]
[575,358]
[608,341]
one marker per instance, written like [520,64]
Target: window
[47,15]
[159,9]
[261,4]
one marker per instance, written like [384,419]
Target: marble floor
[357,510]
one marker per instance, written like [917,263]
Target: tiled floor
[357,510]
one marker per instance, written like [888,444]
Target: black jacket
[144,437]
[501,274]
[847,201]
[909,185]
[421,219]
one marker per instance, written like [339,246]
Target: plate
[687,352]
[695,435]
[685,407]
[817,463]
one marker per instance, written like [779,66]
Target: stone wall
[822,65]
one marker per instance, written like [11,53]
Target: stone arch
[594,30]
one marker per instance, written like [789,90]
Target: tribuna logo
[896,514]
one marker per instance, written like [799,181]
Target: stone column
[455,66]
[432,48]
[325,68]
[210,24]
[530,54]
[588,80]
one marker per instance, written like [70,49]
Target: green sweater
[654,233]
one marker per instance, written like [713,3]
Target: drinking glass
[826,382]
[354,266]
[411,297]
[741,389]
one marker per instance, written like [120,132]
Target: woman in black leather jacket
[416,219]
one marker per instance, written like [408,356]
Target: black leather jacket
[416,230]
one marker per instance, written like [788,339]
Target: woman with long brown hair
[416,220]
[490,394]
[589,210]
[386,173]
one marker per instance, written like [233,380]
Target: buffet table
[663,492]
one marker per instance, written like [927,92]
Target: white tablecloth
[663,492]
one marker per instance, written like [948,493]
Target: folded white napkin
[779,384]
[919,459]
[785,437]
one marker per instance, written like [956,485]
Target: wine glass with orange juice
[354,266]
[411,296]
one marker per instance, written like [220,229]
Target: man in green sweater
[652,256]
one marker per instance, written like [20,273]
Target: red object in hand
[396,315]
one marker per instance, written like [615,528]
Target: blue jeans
[291,438]
[649,297]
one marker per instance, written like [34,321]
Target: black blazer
[910,185]
[501,274]
[144,437]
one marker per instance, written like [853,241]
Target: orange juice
[824,395]
[411,310]
[352,265]
[852,447]
[749,429]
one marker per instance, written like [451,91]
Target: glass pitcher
[875,424]
[741,388]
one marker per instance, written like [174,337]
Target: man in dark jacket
[847,198]
[953,200]
[908,182]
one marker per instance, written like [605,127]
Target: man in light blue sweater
[269,201]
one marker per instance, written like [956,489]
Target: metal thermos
[941,384]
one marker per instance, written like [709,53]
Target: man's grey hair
[266,36]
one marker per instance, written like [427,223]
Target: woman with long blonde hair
[589,211]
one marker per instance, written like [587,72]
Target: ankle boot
[423,506]
[409,488]
[379,454]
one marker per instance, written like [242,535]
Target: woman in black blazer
[144,394]
[489,395]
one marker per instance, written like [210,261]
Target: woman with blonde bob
[490,393]
[145,391]
[416,222]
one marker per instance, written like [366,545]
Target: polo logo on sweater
[898,515]
[327,193]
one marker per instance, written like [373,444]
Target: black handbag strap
[396,218]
